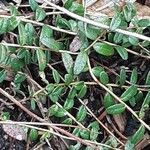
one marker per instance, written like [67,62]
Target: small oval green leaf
[104,77]
[134,76]
[68,103]
[40,14]
[108,100]
[41,59]
[33,134]
[122,52]
[56,76]
[115,22]
[97,70]
[68,61]
[116,109]
[103,49]
[80,62]
[81,113]
[122,77]
[129,93]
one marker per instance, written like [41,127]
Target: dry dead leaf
[142,10]
[120,121]
[16,131]
[75,44]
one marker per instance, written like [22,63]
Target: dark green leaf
[129,145]
[3,53]
[3,75]
[76,131]
[67,121]
[41,59]
[82,91]
[134,76]
[68,103]
[13,22]
[133,40]
[75,147]
[95,125]
[40,14]
[115,109]
[17,64]
[77,8]
[138,136]
[68,61]
[97,70]
[93,134]
[8,24]
[122,77]
[62,22]
[52,110]
[46,38]
[79,85]
[118,38]
[104,77]
[108,100]
[33,134]
[29,29]
[50,88]
[13,10]
[144,22]
[73,25]
[85,134]
[145,105]
[132,101]
[92,32]
[5,116]
[72,93]
[81,114]
[68,78]
[54,96]
[46,33]
[94,130]
[3,25]
[68,3]
[139,96]
[33,4]
[33,104]
[103,49]
[19,78]
[21,54]
[122,52]
[56,76]
[115,22]
[22,34]
[51,43]
[80,62]
[27,57]
[129,11]
[129,93]
[60,112]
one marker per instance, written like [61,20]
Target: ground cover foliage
[69,82]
